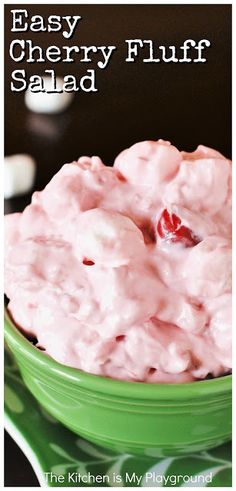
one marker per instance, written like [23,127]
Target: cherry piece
[88,262]
[120,337]
[120,176]
[169,228]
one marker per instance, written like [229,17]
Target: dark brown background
[187,104]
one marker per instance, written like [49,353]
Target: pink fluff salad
[104,288]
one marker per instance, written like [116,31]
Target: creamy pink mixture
[124,271]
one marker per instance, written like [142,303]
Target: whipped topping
[125,271]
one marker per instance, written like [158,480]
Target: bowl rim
[18,342]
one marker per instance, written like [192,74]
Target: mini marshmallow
[44,102]
[19,173]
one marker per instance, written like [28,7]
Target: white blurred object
[43,102]
[19,174]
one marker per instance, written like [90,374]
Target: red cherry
[120,176]
[88,262]
[120,338]
[169,228]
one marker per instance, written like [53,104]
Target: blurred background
[187,104]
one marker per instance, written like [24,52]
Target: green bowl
[146,419]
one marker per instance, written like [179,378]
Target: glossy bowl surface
[138,418]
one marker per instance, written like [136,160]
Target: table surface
[186,104]
[17,470]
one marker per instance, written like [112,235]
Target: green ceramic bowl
[146,419]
